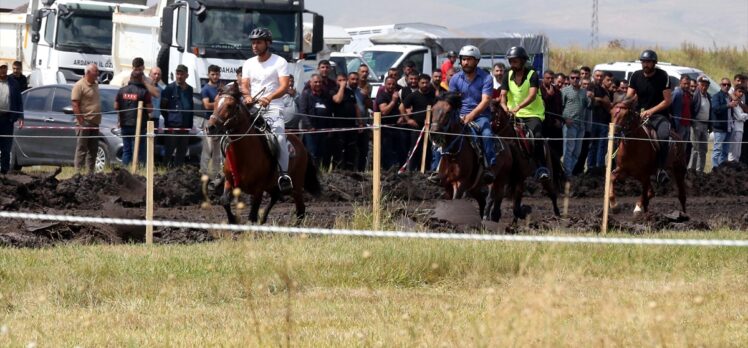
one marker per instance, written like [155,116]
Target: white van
[623,70]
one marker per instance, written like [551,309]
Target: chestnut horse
[637,157]
[248,163]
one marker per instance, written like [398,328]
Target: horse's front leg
[479,196]
[643,204]
[254,206]
[274,196]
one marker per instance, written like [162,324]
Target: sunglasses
[725,84]
[573,77]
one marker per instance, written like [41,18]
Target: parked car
[623,71]
[49,106]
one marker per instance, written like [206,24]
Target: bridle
[631,120]
[452,117]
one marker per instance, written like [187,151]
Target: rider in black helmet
[521,98]
[651,86]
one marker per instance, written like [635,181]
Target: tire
[102,158]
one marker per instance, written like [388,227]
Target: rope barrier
[382,234]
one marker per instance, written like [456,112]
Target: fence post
[376,169]
[427,124]
[149,183]
[608,170]
[136,148]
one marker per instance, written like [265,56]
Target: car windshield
[380,61]
[350,64]
[229,29]
[87,32]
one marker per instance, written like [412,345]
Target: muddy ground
[716,200]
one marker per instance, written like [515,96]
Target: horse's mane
[453,99]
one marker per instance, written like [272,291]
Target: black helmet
[451,54]
[261,34]
[517,52]
[648,55]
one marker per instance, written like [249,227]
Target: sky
[665,23]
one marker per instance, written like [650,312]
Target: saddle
[477,145]
[524,141]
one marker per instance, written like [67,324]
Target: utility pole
[594,41]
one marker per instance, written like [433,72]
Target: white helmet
[470,51]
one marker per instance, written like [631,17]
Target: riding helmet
[648,55]
[261,34]
[470,51]
[517,52]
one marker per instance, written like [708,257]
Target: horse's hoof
[638,209]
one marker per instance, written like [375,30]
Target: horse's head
[624,117]
[500,116]
[227,112]
[445,114]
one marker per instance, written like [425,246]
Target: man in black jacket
[722,105]
[11,111]
[177,109]
[126,104]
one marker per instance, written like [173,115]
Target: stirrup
[662,176]
[284,183]
[542,174]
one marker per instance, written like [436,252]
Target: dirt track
[718,199]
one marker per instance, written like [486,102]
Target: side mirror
[68,110]
[167,23]
[318,33]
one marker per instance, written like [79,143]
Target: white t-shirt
[266,75]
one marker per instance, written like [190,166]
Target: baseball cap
[182,68]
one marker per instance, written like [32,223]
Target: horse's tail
[311,179]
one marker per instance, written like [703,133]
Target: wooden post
[608,170]
[149,183]
[136,147]
[376,168]
[427,124]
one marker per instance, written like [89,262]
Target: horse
[507,127]
[637,157]
[249,164]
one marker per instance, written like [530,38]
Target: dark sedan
[49,139]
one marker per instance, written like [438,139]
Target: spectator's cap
[703,79]
[182,68]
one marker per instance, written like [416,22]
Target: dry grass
[273,291]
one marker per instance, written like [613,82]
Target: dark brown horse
[636,157]
[248,163]
[507,127]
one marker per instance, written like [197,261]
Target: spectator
[693,86]
[210,158]
[19,77]
[126,104]
[87,109]
[436,83]
[739,116]
[395,74]
[415,105]
[363,97]
[123,77]
[155,78]
[575,102]
[388,103]
[737,81]
[315,102]
[364,87]
[722,105]
[700,109]
[346,115]
[498,78]
[329,85]
[11,111]
[600,120]
[680,108]
[447,65]
[412,86]
[585,74]
[620,93]
[409,67]
[290,101]
[553,122]
[446,77]
[177,109]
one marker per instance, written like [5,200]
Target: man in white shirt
[268,73]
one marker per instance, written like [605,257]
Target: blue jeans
[436,156]
[487,139]
[719,153]
[572,147]
[598,147]
[128,144]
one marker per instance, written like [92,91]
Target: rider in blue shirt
[476,87]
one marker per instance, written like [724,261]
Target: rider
[268,73]
[651,86]
[476,87]
[520,97]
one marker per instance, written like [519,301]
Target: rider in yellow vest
[520,97]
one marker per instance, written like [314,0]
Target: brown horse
[636,157]
[460,168]
[506,127]
[248,163]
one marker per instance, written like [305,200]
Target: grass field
[279,291]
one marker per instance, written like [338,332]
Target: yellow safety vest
[519,93]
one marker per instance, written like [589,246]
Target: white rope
[383,234]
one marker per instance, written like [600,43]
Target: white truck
[200,33]
[56,39]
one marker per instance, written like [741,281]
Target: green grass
[715,62]
[340,291]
